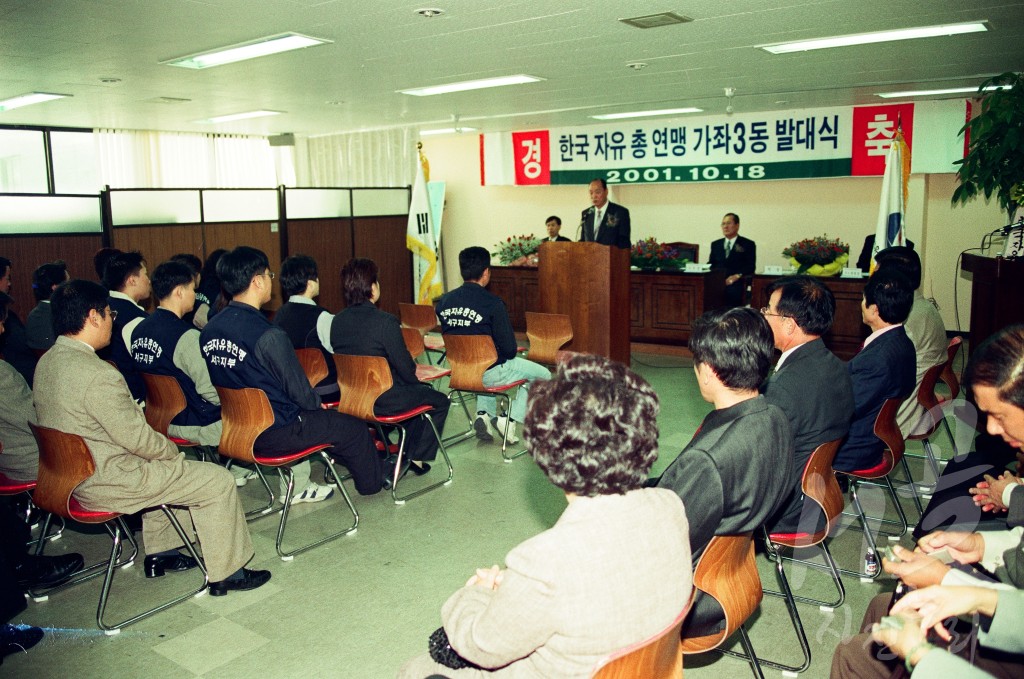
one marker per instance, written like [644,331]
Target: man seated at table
[883,369]
[39,323]
[243,349]
[307,323]
[810,385]
[737,256]
[473,310]
[554,225]
[136,468]
[738,468]
[126,277]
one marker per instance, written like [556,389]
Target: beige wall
[773,213]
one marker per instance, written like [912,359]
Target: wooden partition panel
[329,242]
[159,243]
[229,235]
[382,239]
[28,252]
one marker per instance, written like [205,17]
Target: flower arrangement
[516,248]
[650,254]
[818,256]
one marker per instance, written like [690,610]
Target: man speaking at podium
[605,223]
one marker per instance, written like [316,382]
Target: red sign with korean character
[532,151]
[874,128]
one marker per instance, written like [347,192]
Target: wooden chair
[422,317]
[727,572]
[10,487]
[164,400]
[314,365]
[822,495]
[690,251]
[659,657]
[892,455]
[934,404]
[64,463]
[246,413]
[362,380]
[424,372]
[547,334]
[470,356]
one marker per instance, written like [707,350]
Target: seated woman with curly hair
[612,571]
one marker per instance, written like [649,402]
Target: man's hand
[902,640]
[915,569]
[935,604]
[486,578]
[988,494]
[964,547]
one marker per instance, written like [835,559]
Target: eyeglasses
[113,314]
[766,312]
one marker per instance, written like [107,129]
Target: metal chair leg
[829,565]
[872,548]
[290,489]
[748,654]
[504,434]
[398,465]
[470,432]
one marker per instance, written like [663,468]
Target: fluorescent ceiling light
[259,47]
[29,99]
[472,85]
[447,130]
[929,93]
[645,114]
[239,116]
[880,36]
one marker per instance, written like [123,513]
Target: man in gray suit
[136,468]
[810,385]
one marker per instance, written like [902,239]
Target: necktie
[728,248]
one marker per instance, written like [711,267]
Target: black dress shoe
[18,639]
[251,579]
[389,469]
[419,469]
[47,571]
[155,565]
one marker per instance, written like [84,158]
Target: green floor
[360,606]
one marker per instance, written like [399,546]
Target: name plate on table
[694,267]
[773,270]
[851,272]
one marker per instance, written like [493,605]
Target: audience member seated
[136,468]
[809,384]
[864,260]
[737,255]
[19,460]
[738,469]
[883,369]
[39,324]
[100,259]
[307,324]
[196,265]
[13,341]
[209,296]
[127,279]
[473,310]
[362,329]
[996,381]
[614,569]
[924,327]
[243,349]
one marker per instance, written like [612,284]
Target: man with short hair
[737,255]
[39,323]
[136,468]
[307,324]
[883,369]
[554,225]
[13,340]
[604,222]
[810,385]
[127,279]
[473,310]
[243,349]
[925,329]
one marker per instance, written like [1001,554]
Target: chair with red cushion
[164,400]
[547,334]
[659,657]
[314,365]
[423,318]
[64,463]
[10,487]
[245,414]
[936,405]
[425,373]
[362,380]
[470,356]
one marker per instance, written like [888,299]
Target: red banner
[874,128]
[532,151]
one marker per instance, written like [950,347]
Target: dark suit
[732,477]
[814,390]
[741,260]
[864,261]
[884,369]
[365,330]
[613,229]
[556,239]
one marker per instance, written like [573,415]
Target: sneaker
[480,426]
[314,492]
[499,426]
[242,475]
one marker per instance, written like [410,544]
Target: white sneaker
[480,427]
[499,427]
[313,493]
[242,475]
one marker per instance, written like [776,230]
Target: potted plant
[518,250]
[818,256]
[994,163]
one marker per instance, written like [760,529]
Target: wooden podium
[589,283]
[995,294]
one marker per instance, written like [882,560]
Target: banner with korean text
[823,142]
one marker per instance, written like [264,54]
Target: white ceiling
[380,46]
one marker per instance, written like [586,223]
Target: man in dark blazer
[737,255]
[885,368]
[810,385]
[603,222]
[554,225]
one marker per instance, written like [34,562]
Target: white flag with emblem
[419,238]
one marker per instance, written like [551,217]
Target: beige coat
[20,459]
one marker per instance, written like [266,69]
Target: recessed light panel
[252,49]
[879,36]
[467,85]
